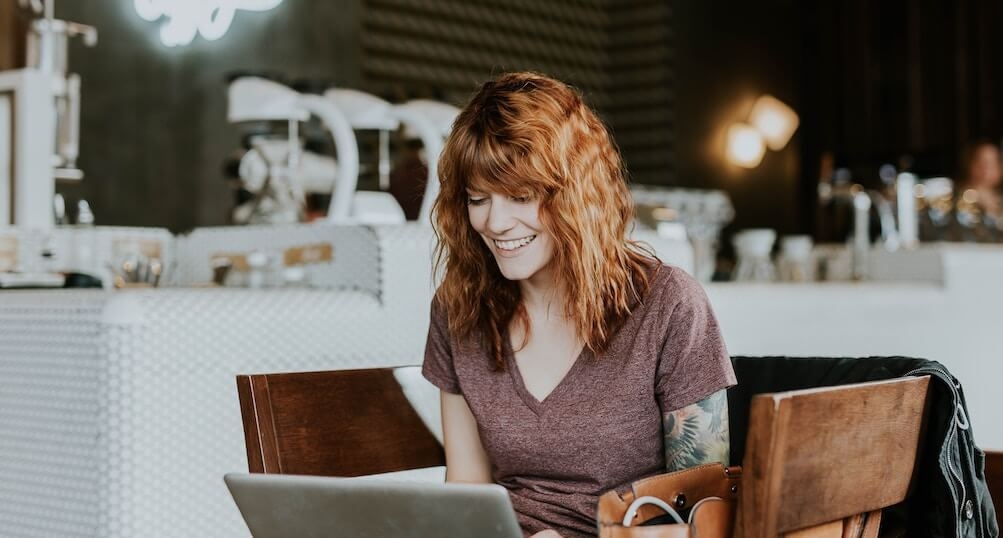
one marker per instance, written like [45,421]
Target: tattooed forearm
[698,433]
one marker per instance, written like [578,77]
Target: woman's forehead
[508,184]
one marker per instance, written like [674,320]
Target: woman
[978,206]
[562,349]
[982,174]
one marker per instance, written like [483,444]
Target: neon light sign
[186,18]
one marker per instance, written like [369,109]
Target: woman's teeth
[512,245]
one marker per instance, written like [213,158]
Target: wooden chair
[994,479]
[333,423]
[824,462]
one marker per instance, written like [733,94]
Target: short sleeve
[693,362]
[438,365]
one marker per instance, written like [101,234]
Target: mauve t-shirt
[601,427]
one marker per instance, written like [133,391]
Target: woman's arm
[466,460]
[698,433]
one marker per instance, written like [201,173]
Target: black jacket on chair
[950,497]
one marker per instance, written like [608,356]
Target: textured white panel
[406,262]
[119,409]
[49,399]
[171,426]
[123,427]
[355,264]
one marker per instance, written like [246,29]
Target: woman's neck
[542,296]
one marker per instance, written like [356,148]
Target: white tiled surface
[118,410]
[49,418]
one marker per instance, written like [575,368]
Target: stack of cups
[753,248]
[795,259]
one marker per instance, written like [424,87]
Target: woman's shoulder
[440,317]
[437,308]
[672,284]
[664,275]
[439,311]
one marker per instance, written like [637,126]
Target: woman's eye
[520,199]
[471,200]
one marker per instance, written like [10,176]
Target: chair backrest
[817,460]
[333,423]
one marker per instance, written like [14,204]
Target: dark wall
[727,54]
[616,52]
[640,88]
[905,82]
[906,77]
[153,121]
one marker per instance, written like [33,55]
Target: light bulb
[774,120]
[745,145]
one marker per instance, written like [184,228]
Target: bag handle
[648,499]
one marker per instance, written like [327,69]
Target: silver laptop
[290,506]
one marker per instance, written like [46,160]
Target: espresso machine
[278,171]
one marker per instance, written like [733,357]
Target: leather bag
[708,492]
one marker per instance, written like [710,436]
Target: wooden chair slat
[333,423]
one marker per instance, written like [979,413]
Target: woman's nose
[500,216]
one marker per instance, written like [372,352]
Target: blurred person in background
[981,171]
[409,177]
[978,207]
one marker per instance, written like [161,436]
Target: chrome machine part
[47,51]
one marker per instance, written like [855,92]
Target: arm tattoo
[698,433]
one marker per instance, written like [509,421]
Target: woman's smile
[512,248]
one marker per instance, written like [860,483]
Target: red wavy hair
[525,134]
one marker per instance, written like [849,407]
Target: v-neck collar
[538,406]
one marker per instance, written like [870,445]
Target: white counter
[961,331]
[119,413]
[951,312]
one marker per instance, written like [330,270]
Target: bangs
[492,165]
